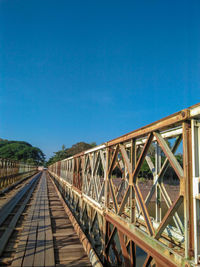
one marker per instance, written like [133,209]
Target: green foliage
[68,152]
[21,151]
[142,180]
[145,172]
[93,144]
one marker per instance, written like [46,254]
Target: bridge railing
[137,196]
[13,171]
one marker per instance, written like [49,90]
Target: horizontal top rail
[169,126]
[162,124]
[17,162]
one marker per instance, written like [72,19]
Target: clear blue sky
[93,70]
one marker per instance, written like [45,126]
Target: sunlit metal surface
[126,214]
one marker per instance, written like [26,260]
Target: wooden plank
[21,249]
[49,248]
[36,246]
[67,246]
[32,235]
[40,245]
[7,209]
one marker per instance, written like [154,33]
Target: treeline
[21,151]
[68,152]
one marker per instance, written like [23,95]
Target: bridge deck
[47,237]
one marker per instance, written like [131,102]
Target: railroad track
[12,215]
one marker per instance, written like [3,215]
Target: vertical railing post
[106,179]
[158,193]
[188,190]
[106,202]
[196,186]
[133,158]
[132,192]
[81,202]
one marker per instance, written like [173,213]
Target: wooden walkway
[48,238]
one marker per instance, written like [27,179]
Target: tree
[68,152]
[21,151]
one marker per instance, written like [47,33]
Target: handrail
[159,217]
[12,171]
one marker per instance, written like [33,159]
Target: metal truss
[126,214]
[13,171]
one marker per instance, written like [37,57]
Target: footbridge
[132,201]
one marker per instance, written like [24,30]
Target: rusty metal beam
[188,190]
[147,243]
[168,216]
[176,166]
[162,124]
[142,157]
